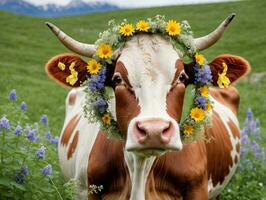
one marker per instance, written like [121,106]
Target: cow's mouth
[150,151]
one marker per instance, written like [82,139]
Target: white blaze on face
[150,62]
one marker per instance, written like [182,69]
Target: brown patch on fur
[238,147]
[234,129]
[227,96]
[107,167]
[59,76]
[236,159]
[126,103]
[72,99]
[73,145]
[69,129]
[218,151]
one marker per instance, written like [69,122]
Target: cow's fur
[152,86]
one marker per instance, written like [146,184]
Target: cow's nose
[153,132]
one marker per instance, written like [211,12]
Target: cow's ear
[69,70]
[238,67]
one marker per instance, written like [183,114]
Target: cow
[149,80]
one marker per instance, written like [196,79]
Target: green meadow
[26,44]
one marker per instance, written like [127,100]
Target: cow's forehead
[149,58]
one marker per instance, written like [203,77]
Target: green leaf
[18,186]
[5,181]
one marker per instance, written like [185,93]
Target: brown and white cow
[149,80]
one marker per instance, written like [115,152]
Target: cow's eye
[182,77]
[117,79]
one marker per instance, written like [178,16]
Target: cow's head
[149,80]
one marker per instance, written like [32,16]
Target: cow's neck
[139,168]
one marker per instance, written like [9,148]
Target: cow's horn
[210,39]
[73,45]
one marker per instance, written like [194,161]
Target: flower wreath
[98,96]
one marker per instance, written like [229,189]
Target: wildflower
[44,120]
[13,95]
[100,105]
[18,130]
[201,102]
[223,81]
[199,58]
[54,140]
[209,107]
[204,91]
[143,26]
[21,175]
[32,135]
[188,129]
[25,170]
[173,28]
[93,67]
[249,114]
[104,51]
[41,152]
[4,124]
[202,75]
[106,118]
[97,82]
[48,135]
[47,170]
[72,78]
[61,66]
[127,30]
[23,106]
[197,114]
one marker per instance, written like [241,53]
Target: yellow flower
[93,67]
[127,30]
[199,58]
[188,129]
[143,26]
[204,91]
[223,80]
[61,66]
[197,114]
[105,51]
[71,67]
[106,118]
[72,78]
[209,107]
[173,28]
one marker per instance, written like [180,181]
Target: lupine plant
[250,180]
[28,156]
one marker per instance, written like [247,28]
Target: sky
[128,3]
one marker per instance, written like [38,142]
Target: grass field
[26,44]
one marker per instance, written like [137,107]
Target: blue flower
[100,105]
[203,76]
[41,152]
[23,106]
[18,130]
[44,120]
[48,135]
[12,95]
[25,170]
[47,170]
[54,140]
[201,102]
[4,124]
[96,82]
[32,135]
[21,174]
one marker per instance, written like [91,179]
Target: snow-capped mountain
[74,7]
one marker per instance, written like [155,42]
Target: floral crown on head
[98,95]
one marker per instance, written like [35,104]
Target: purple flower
[23,106]
[32,135]
[47,170]
[100,105]
[41,152]
[4,124]
[18,130]
[48,135]
[203,76]
[96,82]
[54,140]
[201,102]
[245,140]
[12,95]
[25,170]
[44,120]
[21,174]
[249,114]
